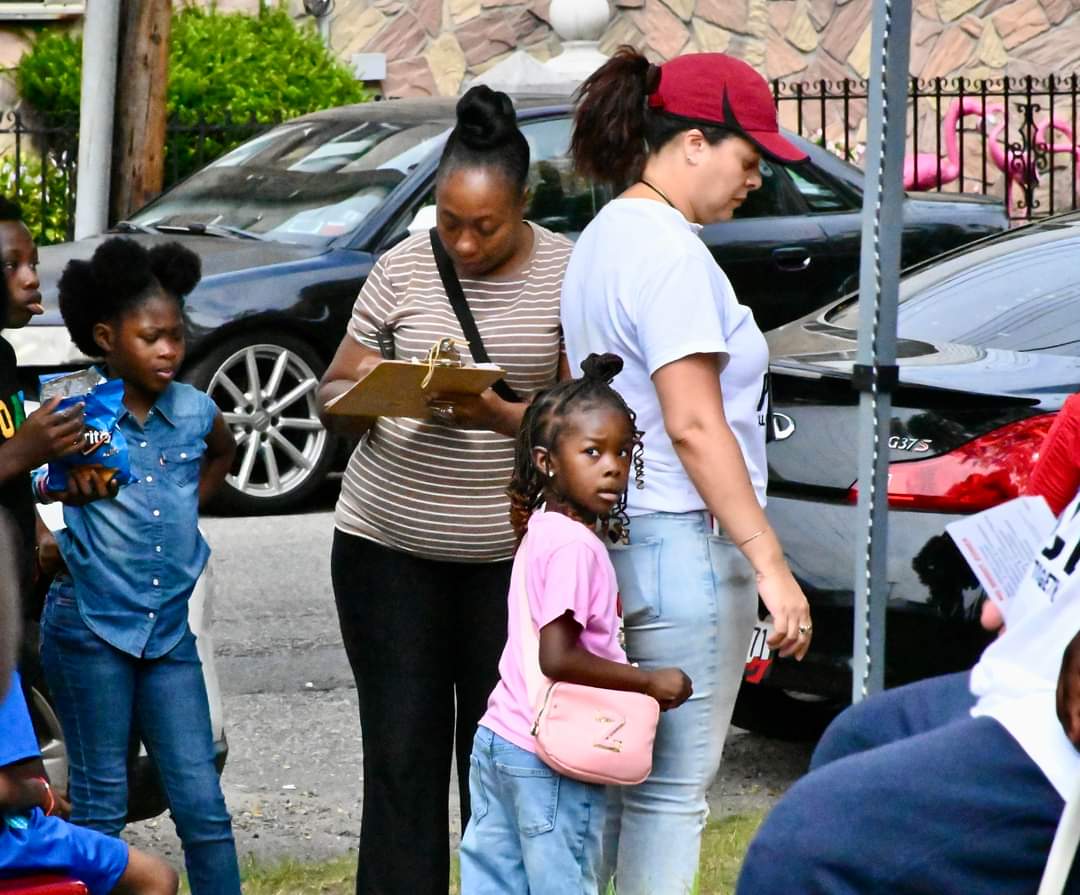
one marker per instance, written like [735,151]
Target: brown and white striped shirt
[439,491]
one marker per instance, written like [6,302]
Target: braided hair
[544,422]
[119,277]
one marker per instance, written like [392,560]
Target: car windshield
[306,182]
[1018,293]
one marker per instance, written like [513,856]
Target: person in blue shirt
[117,651]
[33,840]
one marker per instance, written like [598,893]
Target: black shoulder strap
[456,294]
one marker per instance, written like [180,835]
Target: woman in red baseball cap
[685,139]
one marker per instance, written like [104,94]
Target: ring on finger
[805,629]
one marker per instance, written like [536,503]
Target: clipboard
[401,388]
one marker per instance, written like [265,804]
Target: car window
[776,197]
[308,181]
[559,199]
[821,196]
[1007,296]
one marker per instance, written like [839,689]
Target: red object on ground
[42,884]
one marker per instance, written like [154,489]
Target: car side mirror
[423,221]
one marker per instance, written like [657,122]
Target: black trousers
[424,639]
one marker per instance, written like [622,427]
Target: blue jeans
[689,600]
[910,795]
[99,693]
[533,831]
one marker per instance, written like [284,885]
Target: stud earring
[551,473]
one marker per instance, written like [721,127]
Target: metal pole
[96,108]
[323,24]
[875,371]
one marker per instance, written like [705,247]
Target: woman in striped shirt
[422,548]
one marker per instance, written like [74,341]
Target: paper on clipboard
[395,388]
[1000,543]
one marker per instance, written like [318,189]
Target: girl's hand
[87,484]
[669,686]
[49,559]
[787,604]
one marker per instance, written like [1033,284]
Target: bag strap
[456,294]
[528,634]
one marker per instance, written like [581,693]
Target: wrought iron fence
[38,162]
[1014,138]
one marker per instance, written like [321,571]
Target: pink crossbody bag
[587,733]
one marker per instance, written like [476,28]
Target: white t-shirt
[1015,681]
[642,285]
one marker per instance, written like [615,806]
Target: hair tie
[652,86]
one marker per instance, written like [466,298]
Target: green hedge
[222,67]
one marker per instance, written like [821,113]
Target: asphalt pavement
[293,777]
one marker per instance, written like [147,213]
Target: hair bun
[176,267]
[485,118]
[602,367]
[121,265]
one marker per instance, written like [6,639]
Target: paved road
[294,772]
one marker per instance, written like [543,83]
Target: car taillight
[975,476]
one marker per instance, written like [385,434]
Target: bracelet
[41,492]
[49,793]
[756,534]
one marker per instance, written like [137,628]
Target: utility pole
[138,148]
[96,104]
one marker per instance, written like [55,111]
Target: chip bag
[104,445]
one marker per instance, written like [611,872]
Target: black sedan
[989,349]
[289,224]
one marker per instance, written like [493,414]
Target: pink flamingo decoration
[1048,126]
[925,170]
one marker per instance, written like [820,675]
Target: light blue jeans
[689,600]
[533,831]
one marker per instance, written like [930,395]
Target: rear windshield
[1021,293]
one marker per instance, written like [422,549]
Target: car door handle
[792,258]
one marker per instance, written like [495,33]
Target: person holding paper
[423,543]
[953,784]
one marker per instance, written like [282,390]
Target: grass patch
[722,851]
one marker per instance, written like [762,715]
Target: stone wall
[432,46]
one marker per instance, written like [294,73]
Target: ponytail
[609,140]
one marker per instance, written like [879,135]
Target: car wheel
[266,385]
[783,715]
[50,738]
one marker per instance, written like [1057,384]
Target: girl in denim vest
[532,829]
[119,656]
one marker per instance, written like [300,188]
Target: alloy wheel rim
[267,395]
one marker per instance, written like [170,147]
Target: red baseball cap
[713,88]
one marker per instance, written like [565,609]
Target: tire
[146,798]
[781,715]
[265,384]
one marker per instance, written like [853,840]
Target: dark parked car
[289,224]
[989,348]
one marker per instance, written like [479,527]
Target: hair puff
[176,267]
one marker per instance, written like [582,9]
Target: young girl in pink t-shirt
[533,830]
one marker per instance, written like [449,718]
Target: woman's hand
[790,611]
[351,363]
[485,411]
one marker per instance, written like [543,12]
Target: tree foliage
[227,71]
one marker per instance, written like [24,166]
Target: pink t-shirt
[567,570]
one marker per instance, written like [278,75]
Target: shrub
[223,68]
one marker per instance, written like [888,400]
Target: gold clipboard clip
[443,353]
